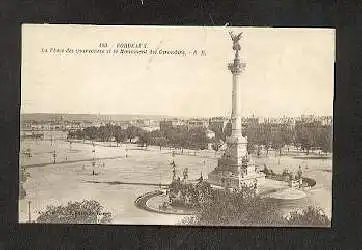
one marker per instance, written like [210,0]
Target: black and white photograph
[176,125]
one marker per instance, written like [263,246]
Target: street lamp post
[93,162]
[204,167]
[54,156]
[93,165]
[29,202]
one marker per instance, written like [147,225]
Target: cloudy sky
[289,71]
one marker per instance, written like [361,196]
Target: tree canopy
[23,177]
[242,207]
[78,212]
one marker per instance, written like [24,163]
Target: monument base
[226,176]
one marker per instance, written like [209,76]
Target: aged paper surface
[176,125]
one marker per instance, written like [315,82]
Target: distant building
[196,123]
[141,122]
[146,124]
[326,120]
[35,127]
[178,123]
[166,124]
[155,123]
[123,124]
[308,117]
[218,124]
[32,135]
[150,128]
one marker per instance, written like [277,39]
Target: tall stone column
[236,68]
[237,144]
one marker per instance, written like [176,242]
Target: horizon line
[188,116]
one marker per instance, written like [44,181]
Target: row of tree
[179,137]
[106,133]
[182,137]
[303,135]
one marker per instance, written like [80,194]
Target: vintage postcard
[176,125]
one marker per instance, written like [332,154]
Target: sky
[289,72]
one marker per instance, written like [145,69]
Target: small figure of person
[299,173]
[255,185]
[201,177]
